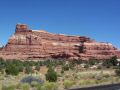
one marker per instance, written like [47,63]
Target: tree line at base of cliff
[13,67]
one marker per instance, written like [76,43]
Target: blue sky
[98,19]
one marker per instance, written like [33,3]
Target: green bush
[66,67]
[49,86]
[25,86]
[21,67]
[11,87]
[110,62]
[76,61]
[2,65]
[37,67]
[87,82]
[4,87]
[51,75]
[12,69]
[34,83]
[86,66]
[114,61]
[92,61]
[106,75]
[39,87]
[68,84]
[18,86]
[28,69]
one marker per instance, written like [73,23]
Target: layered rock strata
[39,44]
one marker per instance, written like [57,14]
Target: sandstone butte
[27,44]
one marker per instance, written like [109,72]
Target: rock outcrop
[39,44]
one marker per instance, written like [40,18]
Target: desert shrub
[49,86]
[11,87]
[34,83]
[97,81]
[21,68]
[110,62]
[39,86]
[12,69]
[98,77]
[117,79]
[28,69]
[2,65]
[4,87]
[99,67]
[43,88]
[106,75]
[115,67]
[66,67]
[68,84]
[117,71]
[87,82]
[71,66]
[107,63]
[19,64]
[62,71]
[37,67]
[30,79]
[51,75]
[18,86]
[114,61]
[25,86]
[92,61]
[1,77]
[1,70]
[86,66]
[101,80]
[77,61]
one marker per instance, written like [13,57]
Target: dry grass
[82,78]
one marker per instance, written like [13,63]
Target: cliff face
[31,44]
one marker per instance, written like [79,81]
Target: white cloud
[0,45]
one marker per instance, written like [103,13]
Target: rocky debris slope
[39,44]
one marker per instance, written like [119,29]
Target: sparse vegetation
[110,62]
[28,69]
[25,86]
[66,67]
[11,87]
[49,86]
[68,84]
[51,75]
[57,74]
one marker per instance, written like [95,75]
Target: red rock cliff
[31,44]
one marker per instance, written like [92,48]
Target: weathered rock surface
[38,44]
